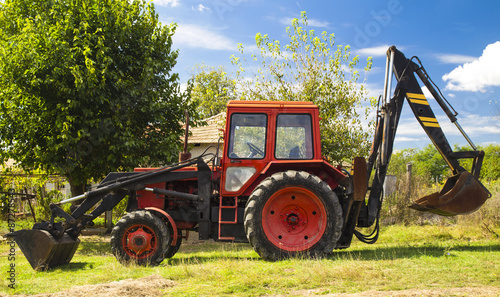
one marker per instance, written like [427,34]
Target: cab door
[247,151]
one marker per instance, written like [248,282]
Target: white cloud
[479,128]
[172,3]
[477,75]
[374,90]
[201,8]
[200,37]
[456,59]
[311,22]
[376,51]
[318,23]
[403,138]
[474,125]
[426,92]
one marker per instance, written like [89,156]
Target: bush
[395,208]
[44,201]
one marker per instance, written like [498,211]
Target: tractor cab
[260,135]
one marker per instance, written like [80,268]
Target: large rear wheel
[140,237]
[293,213]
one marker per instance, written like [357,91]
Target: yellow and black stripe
[417,98]
[429,122]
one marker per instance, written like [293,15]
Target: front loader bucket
[461,194]
[42,250]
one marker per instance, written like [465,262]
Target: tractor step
[231,222]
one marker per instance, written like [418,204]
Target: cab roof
[271,104]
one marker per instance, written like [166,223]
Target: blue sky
[457,41]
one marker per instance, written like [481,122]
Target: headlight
[236,177]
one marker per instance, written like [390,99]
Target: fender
[172,222]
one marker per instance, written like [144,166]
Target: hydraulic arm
[462,193]
[53,243]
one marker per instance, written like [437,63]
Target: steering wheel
[254,150]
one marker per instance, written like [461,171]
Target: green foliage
[427,164]
[309,68]
[17,180]
[428,167]
[43,203]
[399,161]
[86,87]
[490,171]
[212,89]
[491,163]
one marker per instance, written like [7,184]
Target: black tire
[293,213]
[171,250]
[140,237]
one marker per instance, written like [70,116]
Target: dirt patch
[142,287]
[469,291]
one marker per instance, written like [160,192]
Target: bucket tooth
[42,250]
[461,194]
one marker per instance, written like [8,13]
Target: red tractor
[270,187]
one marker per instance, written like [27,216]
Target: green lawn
[404,258]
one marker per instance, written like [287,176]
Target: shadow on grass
[374,254]
[399,252]
[199,259]
[94,248]
[213,251]
[74,266]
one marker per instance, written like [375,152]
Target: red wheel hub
[294,219]
[139,241]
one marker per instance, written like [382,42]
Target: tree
[399,160]
[212,89]
[86,87]
[429,164]
[489,169]
[308,68]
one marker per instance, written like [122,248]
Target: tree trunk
[76,187]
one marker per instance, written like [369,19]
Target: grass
[412,257]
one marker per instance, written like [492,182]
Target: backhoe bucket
[461,194]
[42,250]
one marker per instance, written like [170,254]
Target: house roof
[209,133]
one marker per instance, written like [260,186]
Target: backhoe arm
[462,193]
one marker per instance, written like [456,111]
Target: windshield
[293,137]
[247,138]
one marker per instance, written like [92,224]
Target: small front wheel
[172,249]
[140,237]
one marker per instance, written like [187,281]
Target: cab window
[293,137]
[247,138]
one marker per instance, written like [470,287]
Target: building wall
[198,149]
